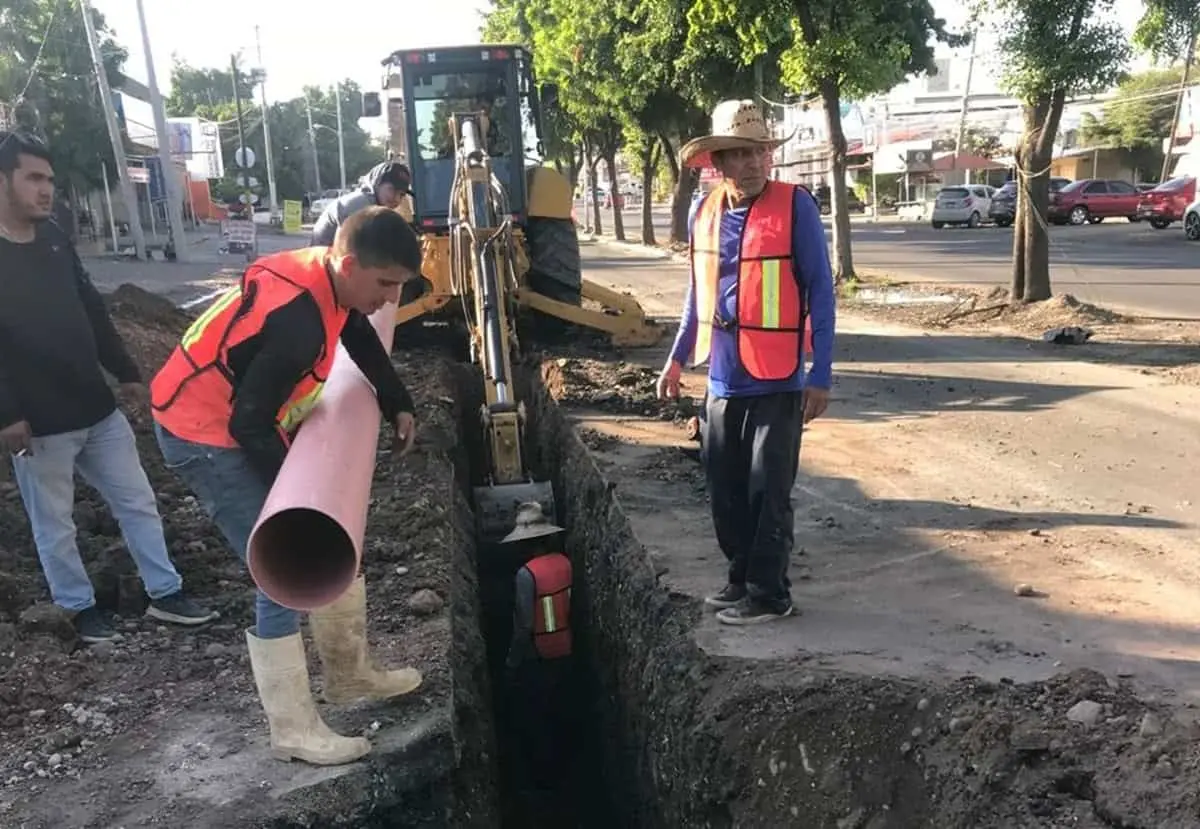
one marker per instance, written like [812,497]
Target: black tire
[555,269]
[1004,222]
[1159,224]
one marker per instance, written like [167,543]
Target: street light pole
[170,181]
[266,113]
[114,135]
[337,96]
[312,139]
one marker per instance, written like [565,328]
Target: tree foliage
[1049,52]
[835,50]
[56,96]
[1167,27]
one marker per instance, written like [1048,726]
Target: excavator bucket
[499,506]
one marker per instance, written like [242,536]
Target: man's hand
[17,438]
[668,381]
[406,432]
[815,401]
[133,394]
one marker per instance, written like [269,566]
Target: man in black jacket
[58,414]
[385,185]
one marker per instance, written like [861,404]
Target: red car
[1167,202]
[1094,200]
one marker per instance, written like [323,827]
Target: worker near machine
[759,266]
[539,665]
[58,414]
[226,405]
[386,184]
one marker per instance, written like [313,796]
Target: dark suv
[1004,201]
[825,200]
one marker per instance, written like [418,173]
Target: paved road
[1114,264]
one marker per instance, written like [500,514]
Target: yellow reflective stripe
[196,329]
[548,614]
[300,409]
[770,293]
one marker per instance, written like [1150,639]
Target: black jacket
[56,336]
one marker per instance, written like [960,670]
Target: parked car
[1191,221]
[825,200]
[1167,202]
[966,205]
[1092,200]
[1003,210]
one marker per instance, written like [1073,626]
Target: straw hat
[734,124]
[531,523]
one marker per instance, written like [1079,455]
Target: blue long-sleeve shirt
[810,261]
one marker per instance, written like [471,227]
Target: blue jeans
[106,456]
[232,494]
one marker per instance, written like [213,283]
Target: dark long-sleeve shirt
[810,260]
[55,337]
[267,367]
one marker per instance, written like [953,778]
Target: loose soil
[98,736]
[925,684]
[1165,348]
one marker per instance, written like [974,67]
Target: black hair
[15,144]
[379,237]
[396,174]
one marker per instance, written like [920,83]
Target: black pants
[751,457]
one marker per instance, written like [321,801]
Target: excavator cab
[428,92]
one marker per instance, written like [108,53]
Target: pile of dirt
[74,716]
[616,387]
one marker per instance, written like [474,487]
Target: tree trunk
[843,260]
[610,161]
[669,154]
[650,151]
[592,189]
[1016,288]
[1041,125]
[681,201]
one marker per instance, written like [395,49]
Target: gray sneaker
[730,595]
[92,627]
[180,610]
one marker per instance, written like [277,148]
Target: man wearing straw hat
[759,269]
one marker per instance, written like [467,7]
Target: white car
[966,205]
[1191,221]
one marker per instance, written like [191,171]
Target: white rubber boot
[297,730]
[340,633]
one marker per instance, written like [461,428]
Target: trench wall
[696,741]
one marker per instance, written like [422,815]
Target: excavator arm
[482,250]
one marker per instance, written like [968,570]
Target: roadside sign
[291,216]
[238,232]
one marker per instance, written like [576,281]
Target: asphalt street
[1115,264]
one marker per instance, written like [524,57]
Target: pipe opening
[302,559]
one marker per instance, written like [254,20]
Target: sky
[349,37]
[302,44]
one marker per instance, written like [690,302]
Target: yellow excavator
[497,235]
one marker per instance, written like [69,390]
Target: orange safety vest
[192,394]
[551,605]
[770,304]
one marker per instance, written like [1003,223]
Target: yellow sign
[291,216]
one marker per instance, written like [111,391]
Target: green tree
[1137,119]
[59,99]
[1049,51]
[832,49]
[1168,28]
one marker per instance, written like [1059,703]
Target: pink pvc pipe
[306,548]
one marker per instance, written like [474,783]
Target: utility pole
[114,135]
[966,102]
[262,88]
[312,140]
[337,97]
[243,149]
[174,197]
[1183,82]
